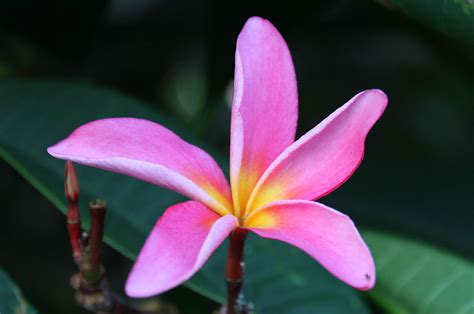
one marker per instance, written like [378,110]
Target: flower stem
[97,211]
[71,189]
[235,270]
[91,267]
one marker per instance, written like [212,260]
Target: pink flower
[274,179]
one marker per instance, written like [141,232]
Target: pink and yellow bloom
[274,180]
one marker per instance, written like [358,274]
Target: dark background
[178,56]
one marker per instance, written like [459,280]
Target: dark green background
[416,178]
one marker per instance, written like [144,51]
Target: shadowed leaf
[11,299]
[36,115]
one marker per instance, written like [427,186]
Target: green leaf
[454,18]
[412,277]
[419,278]
[11,299]
[35,115]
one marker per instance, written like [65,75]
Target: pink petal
[327,235]
[148,151]
[325,157]
[180,243]
[264,110]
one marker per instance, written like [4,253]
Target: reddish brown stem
[71,189]
[74,229]
[235,269]
[97,211]
[91,267]
[92,289]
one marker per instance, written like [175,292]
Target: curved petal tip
[377,96]
[327,235]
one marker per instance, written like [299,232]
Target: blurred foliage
[133,206]
[177,58]
[130,218]
[455,18]
[418,278]
[12,301]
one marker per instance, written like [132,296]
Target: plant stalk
[235,271]
[97,211]
[71,189]
[93,292]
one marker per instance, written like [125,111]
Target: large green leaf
[455,18]
[34,115]
[412,278]
[11,299]
[419,278]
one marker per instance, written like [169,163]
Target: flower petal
[264,109]
[180,243]
[327,235]
[148,151]
[325,157]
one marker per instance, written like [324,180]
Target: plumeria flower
[274,180]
